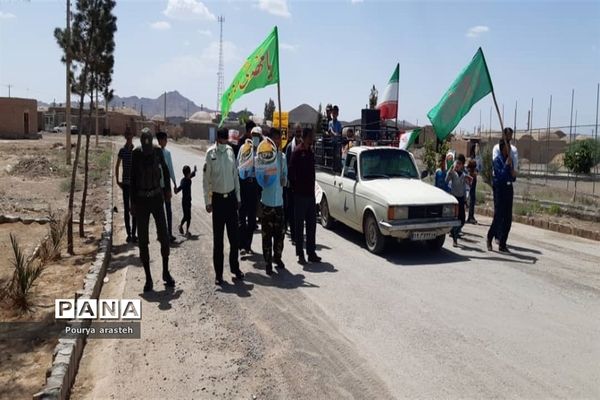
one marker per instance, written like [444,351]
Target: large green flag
[472,84]
[260,69]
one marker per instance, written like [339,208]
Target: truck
[378,191]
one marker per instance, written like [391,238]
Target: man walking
[302,177]
[288,192]
[249,196]
[507,135]
[161,137]
[125,184]
[273,219]
[504,176]
[148,198]
[222,198]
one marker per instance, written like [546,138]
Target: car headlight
[397,212]
[450,211]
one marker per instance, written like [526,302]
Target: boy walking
[125,184]
[458,180]
[186,202]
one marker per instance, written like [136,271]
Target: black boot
[148,285]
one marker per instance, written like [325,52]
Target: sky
[331,52]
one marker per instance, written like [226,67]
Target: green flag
[260,69]
[472,84]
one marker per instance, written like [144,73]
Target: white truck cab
[380,194]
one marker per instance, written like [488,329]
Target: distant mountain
[177,105]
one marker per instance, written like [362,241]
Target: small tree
[244,117]
[269,110]
[373,98]
[580,157]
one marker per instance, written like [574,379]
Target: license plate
[422,235]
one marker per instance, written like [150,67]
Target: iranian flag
[408,138]
[388,105]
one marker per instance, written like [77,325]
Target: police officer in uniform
[147,198]
[222,198]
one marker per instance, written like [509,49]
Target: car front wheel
[326,218]
[374,239]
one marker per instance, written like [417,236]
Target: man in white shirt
[507,135]
[514,154]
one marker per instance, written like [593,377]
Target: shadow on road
[163,297]
[241,288]
[320,267]
[523,249]
[281,278]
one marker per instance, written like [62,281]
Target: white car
[380,194]
[62,128]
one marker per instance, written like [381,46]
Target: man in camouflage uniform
[273,217]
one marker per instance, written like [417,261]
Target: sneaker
[172,239]
[455,243]
[503,249]
[239,275]
[181,229]
[302,260]
[314,258]
[489,245]
[279,264]
[128,240]
[218,281]
[269,269]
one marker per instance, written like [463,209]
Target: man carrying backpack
[147,198]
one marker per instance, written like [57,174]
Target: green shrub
[554,209]
[581,156]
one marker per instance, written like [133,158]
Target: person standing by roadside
[504,176]
[222,198]
[125,184]
[147,197]
[288,192]
[458,180]
[273,218]
[440,175]
[302,178]
[161,137]
[326,119]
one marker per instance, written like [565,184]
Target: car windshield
[387,163]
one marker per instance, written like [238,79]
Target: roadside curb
[67,353]
[546,224]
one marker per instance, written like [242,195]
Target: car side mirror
[424,174]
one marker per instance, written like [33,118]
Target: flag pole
[397,97]
[494,97]
[279,103]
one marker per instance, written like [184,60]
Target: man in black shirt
[147,198]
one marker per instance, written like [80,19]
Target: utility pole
[165,112]
[68,100]
[220,73]
[9,86]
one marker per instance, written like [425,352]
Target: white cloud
[188,10]
[7,15]
[275,7]
[356,1]
[161,25]
[205,32]
[287,46]
[476,31]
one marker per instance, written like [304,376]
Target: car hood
[404,191]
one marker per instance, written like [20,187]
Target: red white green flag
[388,104]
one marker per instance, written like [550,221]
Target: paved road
[459,323]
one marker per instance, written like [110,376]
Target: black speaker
[370,124]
